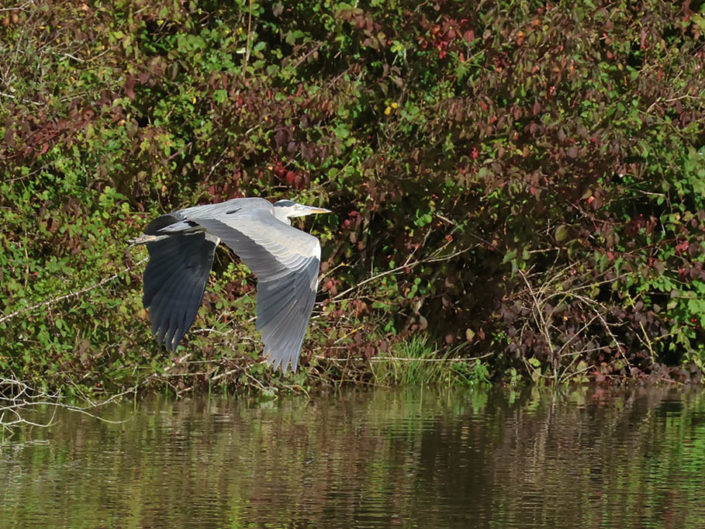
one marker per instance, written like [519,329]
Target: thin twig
[23,397]
[538,315]
[408,359]
[17,8]
[400,268]
[308,54]
[56,300]
[249,37]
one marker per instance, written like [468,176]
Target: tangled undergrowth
[518,186]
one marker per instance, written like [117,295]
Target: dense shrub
[518,179]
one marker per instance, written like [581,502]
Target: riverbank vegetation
[518,186]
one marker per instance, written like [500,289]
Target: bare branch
[55,300]
[19,400]
[398,269]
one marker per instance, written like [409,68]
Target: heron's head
[288,209]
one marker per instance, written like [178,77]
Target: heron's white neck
[282,214]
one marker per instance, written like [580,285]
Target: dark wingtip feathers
[174,282]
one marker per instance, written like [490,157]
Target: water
[414,458]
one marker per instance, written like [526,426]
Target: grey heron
[286,261]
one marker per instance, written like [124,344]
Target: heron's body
[285,260]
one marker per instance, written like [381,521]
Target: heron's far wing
[174,281]
[286,262]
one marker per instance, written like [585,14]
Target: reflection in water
[416,458]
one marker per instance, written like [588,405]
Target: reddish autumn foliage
[524,181]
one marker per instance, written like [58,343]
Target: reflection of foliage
[422,458]
[473,144]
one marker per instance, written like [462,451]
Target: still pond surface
[413,458]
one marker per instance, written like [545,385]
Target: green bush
[522,180]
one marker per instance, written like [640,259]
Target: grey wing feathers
[174,282]
[286,262]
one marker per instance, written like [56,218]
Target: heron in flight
[285,260]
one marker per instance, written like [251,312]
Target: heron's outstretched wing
[174,281]
[286,262]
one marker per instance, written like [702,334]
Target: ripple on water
[415,458]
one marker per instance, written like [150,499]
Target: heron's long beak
[317,211]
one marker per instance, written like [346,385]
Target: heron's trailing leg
[144,239]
